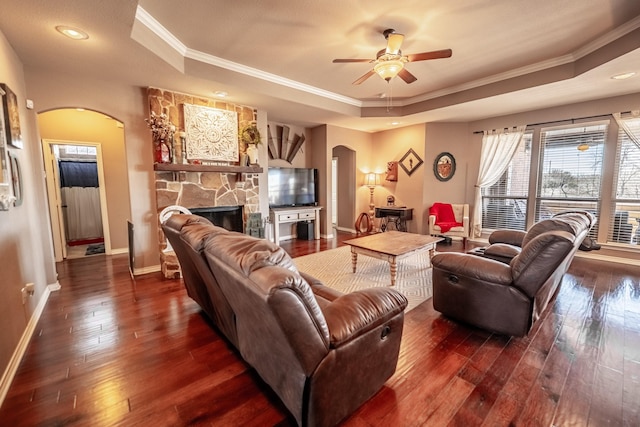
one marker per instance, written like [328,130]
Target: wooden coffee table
[391,246]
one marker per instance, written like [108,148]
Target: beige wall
[451,138]
[88,126]
[361,144]
[26,249]
[392,145]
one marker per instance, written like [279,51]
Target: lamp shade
[372,179]
[388,69]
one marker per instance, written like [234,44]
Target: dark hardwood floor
[112,351]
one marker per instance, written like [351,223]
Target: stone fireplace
[197,186]
[220,193]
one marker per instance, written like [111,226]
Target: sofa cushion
[249,254]
[539,259]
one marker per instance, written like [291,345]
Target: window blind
[571,161]
[624,223]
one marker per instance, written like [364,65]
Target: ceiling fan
[390,61]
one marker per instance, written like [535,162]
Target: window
[505,202]
[571,162]
[625,218]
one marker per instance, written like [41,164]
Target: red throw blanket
[445,219]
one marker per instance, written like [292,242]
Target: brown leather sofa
[324,353]
[508,297]
[506,244]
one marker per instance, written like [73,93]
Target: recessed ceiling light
[220,94]
[623,76]
[395,123]
[72,33]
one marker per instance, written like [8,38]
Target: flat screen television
[293,187]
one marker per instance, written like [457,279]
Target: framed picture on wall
[11,117]
[410,162]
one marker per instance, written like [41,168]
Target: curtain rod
[561,121]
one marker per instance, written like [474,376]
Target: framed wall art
[444,166]
[16,179]
[11,117]
[410,162]
[211,133]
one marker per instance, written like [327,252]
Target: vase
[252,152]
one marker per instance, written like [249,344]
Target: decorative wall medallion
[410,162]
[211,134]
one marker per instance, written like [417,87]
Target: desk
[396,215]
[294,214]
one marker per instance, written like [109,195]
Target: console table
[294,214]
[396,215]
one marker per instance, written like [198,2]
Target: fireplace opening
[227,217]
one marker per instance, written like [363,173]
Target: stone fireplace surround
[202,190]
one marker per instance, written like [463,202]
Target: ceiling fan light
[388,69]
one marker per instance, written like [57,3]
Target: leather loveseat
[508,297]
[324,353]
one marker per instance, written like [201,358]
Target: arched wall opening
[90,129]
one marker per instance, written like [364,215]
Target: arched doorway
[87,132]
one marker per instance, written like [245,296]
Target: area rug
[95,249]
[333,268]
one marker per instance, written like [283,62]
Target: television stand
[294,214]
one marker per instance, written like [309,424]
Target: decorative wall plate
[444,166]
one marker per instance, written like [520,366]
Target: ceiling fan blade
[394,41]
[407,76]
[364,77]
[352,60]
[436,54]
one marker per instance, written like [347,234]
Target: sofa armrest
[355,313]
[432,221]
[502,251]
[510,237]
[474,267]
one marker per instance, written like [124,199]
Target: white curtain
[498,148]
[623,125]
[84,219]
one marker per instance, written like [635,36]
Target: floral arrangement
[161,128]
[251,135]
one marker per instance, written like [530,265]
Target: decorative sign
[211,134]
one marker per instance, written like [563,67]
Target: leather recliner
[508,298]
[324,353]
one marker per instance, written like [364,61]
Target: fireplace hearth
[227,217]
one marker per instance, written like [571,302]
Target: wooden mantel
[170,167]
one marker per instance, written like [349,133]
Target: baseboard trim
[18,353]
[119,251]
[607,258]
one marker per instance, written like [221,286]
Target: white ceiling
[508,55]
